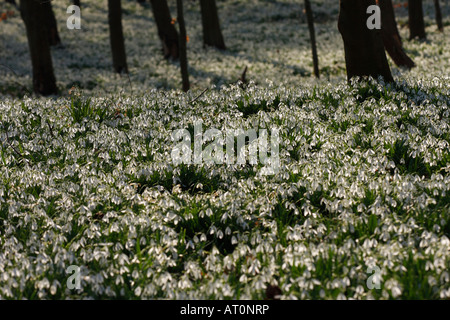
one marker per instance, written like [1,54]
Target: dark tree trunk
[183,53]
[212,34]
[52,27]
[166,29]
[364,50]
[116,36]
[438,13]
[77,3]
[312,35]
[391,37]
[416,21]
[33,14]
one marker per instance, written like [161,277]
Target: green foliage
[400,153]
[249,108]
[81,109]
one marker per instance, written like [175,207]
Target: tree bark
[117,41]
[52,27]
[182,44]
[416,21]
[33,13]
[166,29]
[438,14]
[391,37]
[212,34]
[312,35]
[364,49]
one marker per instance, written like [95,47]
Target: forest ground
[359,208]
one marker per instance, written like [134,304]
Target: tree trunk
[116,36]
[416,21]
[33,14]
[166,29]
[76,3]
[52,27]
[438,14]
[364,50]
[212,35]
[391,37]
[183,53]
[312,35]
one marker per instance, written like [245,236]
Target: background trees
[166,29]
[50,20]
[312,35]
[438,14]
[361,57]
[44,81]
[116,36]
[364,49]
[212,34]
[391,37]
[182,44]
[416,22]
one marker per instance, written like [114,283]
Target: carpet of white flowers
[87,180]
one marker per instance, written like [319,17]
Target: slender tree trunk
[312,35]
[166,28]
[33,14]
[116,36]
[182,45]
[438,14]
[391,37]
[364,50]
[416,21]
[52,27]
[212,34]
